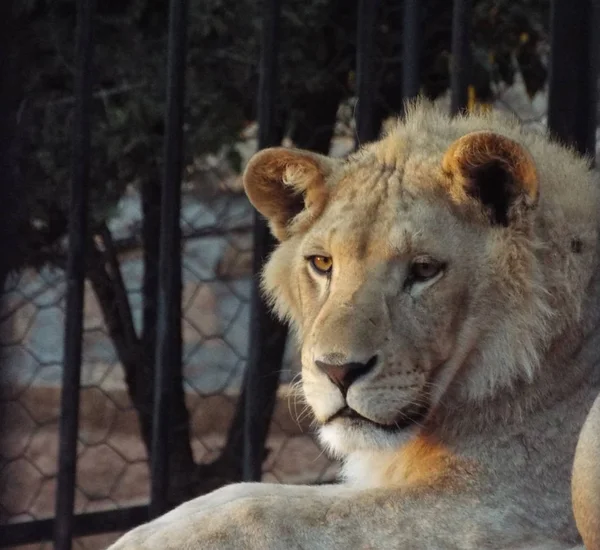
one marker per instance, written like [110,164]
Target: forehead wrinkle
[400,238]
[364,176]
[365,208]
[390,233]
[349,241]
[338,237]
[391,236]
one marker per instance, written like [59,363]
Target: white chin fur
[340,441]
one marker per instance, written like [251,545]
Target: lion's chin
[347,432]
[412,416]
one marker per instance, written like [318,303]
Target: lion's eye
[423,269]
[321,264]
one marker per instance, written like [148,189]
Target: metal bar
[365,66]
[411,49]
[8,119]
[267,336]
[93,523]
[574,73]
[69,412]
[268,134]
[460,64]
[168,341]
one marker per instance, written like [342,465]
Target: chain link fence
[112,459]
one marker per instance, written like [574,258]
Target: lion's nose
[344,375]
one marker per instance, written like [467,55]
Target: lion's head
[436,265]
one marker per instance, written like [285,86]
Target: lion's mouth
[412,416]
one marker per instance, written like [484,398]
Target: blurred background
[314,106]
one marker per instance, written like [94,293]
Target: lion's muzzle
[345,374]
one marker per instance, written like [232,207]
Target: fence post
[411,49]
[78,234]
[168,327]
[267,335]
[460,64]
[573,75]
[8,108]
[365,81]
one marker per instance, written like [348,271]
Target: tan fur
[464,430]
[586,480]
[299,173]
[422,462]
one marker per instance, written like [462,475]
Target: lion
[443,285]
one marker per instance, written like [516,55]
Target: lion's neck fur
[525,413]
[539,349]
[559,393]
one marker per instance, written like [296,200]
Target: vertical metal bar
[411,49]
[460,64]
[168,330]
[574,73]
[268,134]
[8,106]
[267,335]
[69,411]
[365,67]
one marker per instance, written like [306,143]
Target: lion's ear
[495,170]
[281,183]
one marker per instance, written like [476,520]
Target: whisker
[318,456]
[305,413]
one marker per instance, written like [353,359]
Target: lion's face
[393,273]
[380,301]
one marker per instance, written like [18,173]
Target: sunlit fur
[477,343]
[506,295]
[501,348]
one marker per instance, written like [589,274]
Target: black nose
[343,376]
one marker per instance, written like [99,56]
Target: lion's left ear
[495,170]
[285,183]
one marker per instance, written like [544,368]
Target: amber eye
[424,269]
[321,264]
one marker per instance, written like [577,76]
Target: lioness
[444,285]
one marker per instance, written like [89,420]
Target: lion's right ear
[497,171]
[283,183]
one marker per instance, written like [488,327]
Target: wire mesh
[112,459]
